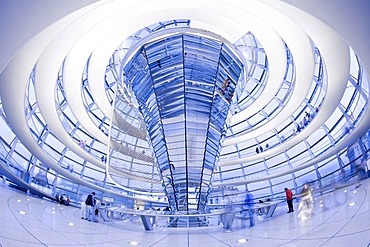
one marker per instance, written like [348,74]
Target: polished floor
[340,218]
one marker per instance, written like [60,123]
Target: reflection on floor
[340,218]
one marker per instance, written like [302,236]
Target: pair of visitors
[90,205]
[62,199]
[70,168]
[260,149]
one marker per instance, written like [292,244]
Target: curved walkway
[333,223]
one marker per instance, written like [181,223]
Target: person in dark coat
[90,204]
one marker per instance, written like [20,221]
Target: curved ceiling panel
[335,52]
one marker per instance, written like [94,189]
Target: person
[90,203]
[305,121]
[306,204]
[97,204]
[81,144]
[228,217]
[250,204]
[68,201]
[170,220]
[57,197]
[3,180]
[262,209]
[289,199]
[83,210]
[62,199]
[268,207]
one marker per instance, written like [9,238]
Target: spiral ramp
[302,100]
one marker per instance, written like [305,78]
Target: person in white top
[83,210]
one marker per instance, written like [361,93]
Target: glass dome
[79,121]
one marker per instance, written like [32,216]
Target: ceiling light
[242,240]
[134,243]
[352,204]
[28,199]
[22,212]
[71,224]
[19,200]
[354,192]
[53,212]
[345,191]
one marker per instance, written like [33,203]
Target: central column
[184,85]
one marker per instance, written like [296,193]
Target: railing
[224,215]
